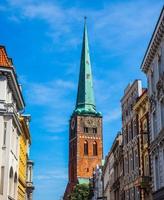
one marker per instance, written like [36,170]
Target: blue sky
[44,39]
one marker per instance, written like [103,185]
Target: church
[85,126]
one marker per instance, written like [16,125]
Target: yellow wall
[22,168]
[23,148]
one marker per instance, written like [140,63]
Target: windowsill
[4,147]
[9,197]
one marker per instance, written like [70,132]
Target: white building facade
[153,67]
[106,187]
[11,103]
[97,183]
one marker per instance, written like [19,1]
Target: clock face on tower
[90,122]
[72,123]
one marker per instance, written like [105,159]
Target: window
[85,148]
[137,193]
[131,162]
[129,131]
[94,130]
[152,82]
[162,114]
[154,124]
[2,179]
[4,133]
[11,181]
[2,87]
[30,173]
[157,177]
[163,162]
[127,195]
[135,128]
[159,64]
[132,193]
[95,148]
[146,165]
[85,129]
[15,184]
[127,134]
[136,159]
[132,129]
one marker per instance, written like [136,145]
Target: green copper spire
[85,103]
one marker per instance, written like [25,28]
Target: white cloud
[56,123]
[50,94]
[65,84]
[55,97]
[51,175]
[112,115]
[121,21]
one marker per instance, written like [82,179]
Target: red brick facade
[85,148]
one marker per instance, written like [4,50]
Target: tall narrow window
[132,129]
[4,133]
[15,184]
[2,179]
[157,172]
[155,124]
[11,181]
[163,161]
[146,165]
[94,130]
[86,130]
[127,134]
[30,174]
[95,148]
[159,65]
[162,114]
[85,148]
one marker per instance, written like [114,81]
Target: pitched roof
[4,60]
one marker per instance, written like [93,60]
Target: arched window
[95,148]
[11,174]
[85,148]
[15,183]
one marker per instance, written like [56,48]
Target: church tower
[85,126]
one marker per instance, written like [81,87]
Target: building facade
[141,109]
[130,142]
[85,128]
[113,171]
[118,166]
[11,104]
[153,67]
[106,186]
[12,157]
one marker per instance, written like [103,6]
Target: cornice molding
[14,86]
[154,43]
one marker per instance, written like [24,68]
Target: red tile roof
[4,60]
